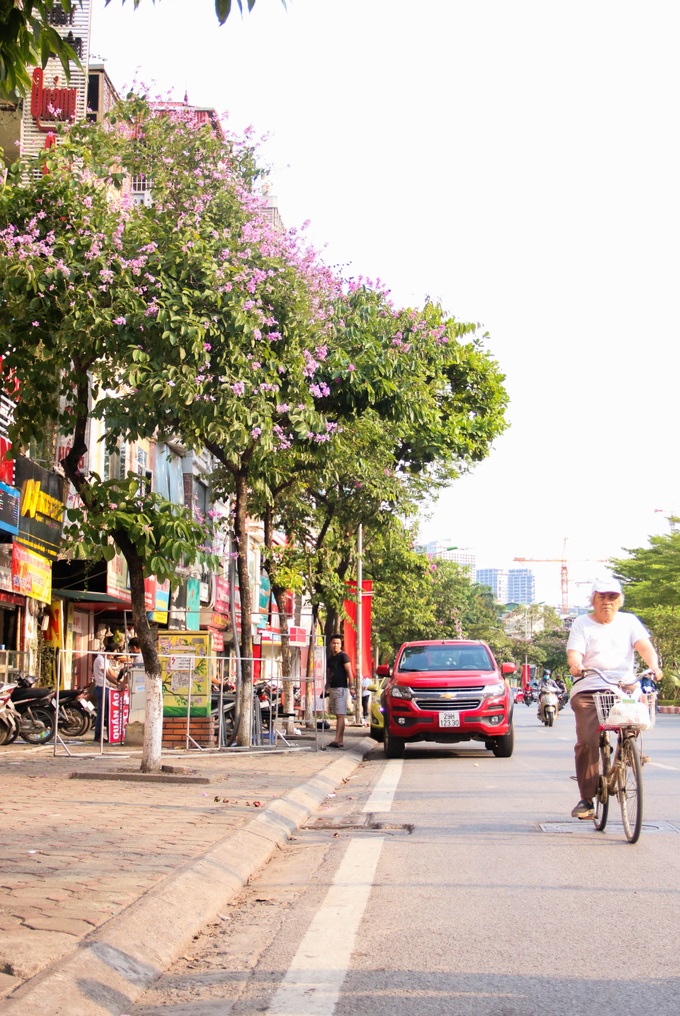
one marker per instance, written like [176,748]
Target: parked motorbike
[228,717]
[76,711]
[9,718]
[36,714]
[548,704]
[271,701]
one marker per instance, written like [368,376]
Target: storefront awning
[87,596]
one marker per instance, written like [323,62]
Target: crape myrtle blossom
[240,320]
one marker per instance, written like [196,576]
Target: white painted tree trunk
[153,724]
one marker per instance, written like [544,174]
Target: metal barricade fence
[193,685]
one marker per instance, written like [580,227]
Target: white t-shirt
[609,647]
[99,668]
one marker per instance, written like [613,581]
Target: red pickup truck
[447,691]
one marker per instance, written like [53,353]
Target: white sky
[519,162]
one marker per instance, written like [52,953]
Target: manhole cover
[617,827]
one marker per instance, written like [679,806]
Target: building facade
[496,579]
[442,550]
[521,586]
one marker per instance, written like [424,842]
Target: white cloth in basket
[627,712]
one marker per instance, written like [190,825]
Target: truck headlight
[400,692]
[493,690]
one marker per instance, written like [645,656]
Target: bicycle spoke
[630,790]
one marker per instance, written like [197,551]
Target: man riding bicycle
[606,640]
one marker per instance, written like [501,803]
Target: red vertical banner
[119,712]
[350,633]
[526,675]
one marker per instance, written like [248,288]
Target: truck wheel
[505,745]
[393,746]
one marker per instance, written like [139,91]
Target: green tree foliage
[323,405]
[64,238]
[417,598]
[651,580]
[537,636]
[27,39]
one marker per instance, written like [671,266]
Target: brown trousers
[587,747]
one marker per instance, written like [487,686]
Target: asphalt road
[454,883]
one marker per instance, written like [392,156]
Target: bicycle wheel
[601,802]
[630,790]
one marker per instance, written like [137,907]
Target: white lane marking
[660,765]
[313,981]
[383,792]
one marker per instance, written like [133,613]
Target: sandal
[334,744]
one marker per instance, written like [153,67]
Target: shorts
[337,703]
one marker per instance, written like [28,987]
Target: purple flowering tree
[93,286]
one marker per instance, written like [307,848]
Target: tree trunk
[153,719]
[286,658]
[153,714]
[310,704]
[244,736]
[279,593]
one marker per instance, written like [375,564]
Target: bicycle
[621,777]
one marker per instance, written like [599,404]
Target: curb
[113,965]
[668,709]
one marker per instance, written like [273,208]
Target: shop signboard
[297,636]
[31,574]
[162,602]
[149,593]
[52,636]
[41,508]
[193,604]
[117,578]
[221,595]
[265,597]
[6,462]
[119,713]
[186,665]
[54,102]
[10,498]
[6,567]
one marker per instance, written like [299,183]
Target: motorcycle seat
[20,694]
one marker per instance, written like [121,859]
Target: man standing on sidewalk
[104,677]
[338,680]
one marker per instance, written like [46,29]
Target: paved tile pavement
[78,850]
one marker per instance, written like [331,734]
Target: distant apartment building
[497,581]
[521,586]
[442,550]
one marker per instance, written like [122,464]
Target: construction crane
[564,571]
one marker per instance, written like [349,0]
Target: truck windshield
[416,659]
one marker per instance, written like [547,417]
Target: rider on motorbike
[546,685]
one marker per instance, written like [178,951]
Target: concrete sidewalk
[106,875]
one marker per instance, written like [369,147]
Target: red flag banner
[350,633]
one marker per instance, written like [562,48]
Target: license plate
[449,719]
[87,706]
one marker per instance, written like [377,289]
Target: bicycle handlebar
[594,670]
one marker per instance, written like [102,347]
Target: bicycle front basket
[614,712]
[604,701]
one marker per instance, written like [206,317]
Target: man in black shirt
[338,678]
